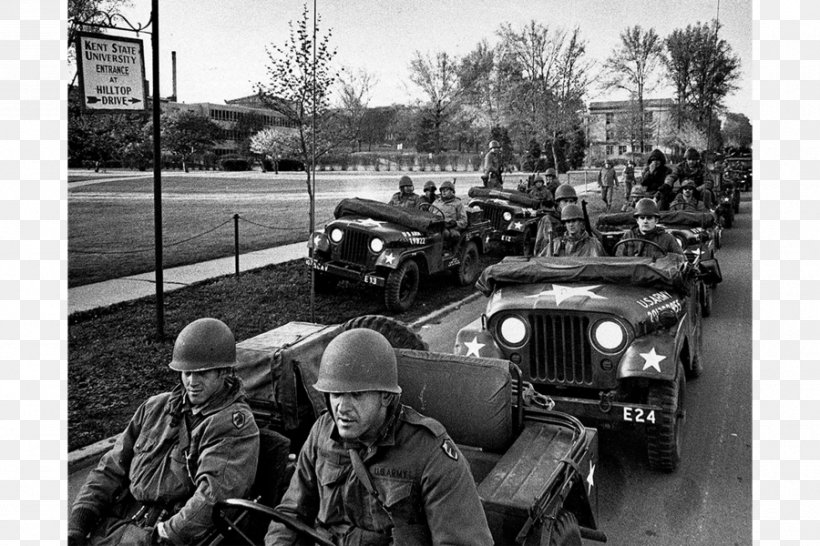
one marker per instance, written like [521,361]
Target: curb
[81,458]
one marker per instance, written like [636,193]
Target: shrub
[234,164]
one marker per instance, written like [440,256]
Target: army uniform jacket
[542,194]
[453,211]
[421,477]
[607,177]
[492,164]
[680,203]
[582,245]
[552,219]
[652,181]
[657,235]
[409,201]
[682,171]
[161,461]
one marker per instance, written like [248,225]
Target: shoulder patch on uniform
[449,449]
[238,419]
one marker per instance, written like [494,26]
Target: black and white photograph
[403,273]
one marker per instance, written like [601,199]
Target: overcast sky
[221,44]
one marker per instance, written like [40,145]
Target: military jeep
[738,170]
[534,467]
[513,218]
[609,340]
[391,248]
[697,233]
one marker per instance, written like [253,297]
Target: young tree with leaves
[634,67]
[737,130]
[184,134]
[274,142]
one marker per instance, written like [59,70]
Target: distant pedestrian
[628,179]
[607,180]
[493,167]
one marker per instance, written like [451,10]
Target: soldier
[455,217]
[576,241]
[405,197]
[492,167]
[654,174]
[429,194]
[540,192]
[607,179]
[552,180]
[182,452]
[374,471]
[647,214]
[690,168]
[635,195]
[629,179]
[551,221]
[686,199]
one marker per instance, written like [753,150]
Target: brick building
[613,128]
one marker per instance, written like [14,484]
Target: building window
[610,149]
[649,116]
[621,149]
[610,118]
[610,134]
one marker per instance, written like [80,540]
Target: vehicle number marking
[317,265]
[507,238]
[370,279]
[639,415]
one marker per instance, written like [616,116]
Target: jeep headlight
[609,336]
[376,245]
[336,235]
[507,216]
[513,331]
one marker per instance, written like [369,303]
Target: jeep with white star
[513,218]
[391,248]
[535,468]
[607,339]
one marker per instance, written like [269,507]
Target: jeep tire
[468,269]
[397,333]
[401,286]
[565,530]
[663,438]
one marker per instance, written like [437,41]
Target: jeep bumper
[348,273]
[605,411]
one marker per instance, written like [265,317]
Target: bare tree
[84,14]
[633,67]
[355,94]
[438,79]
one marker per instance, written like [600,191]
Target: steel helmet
[538,179]
[572,212]
[637,192]
[447,184]
[405,181]
[429,184]
[688,183]
[646,207]
[494,144]
[691,153]
[358,360]
[551,172]
[565,191]
[205,344]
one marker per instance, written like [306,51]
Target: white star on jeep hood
[518,225]
[474,347]
[591,477]
[562,293]
[370,222]
[388,258]
[652,360]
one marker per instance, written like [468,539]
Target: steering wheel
[228,526]
[644,241]
[428,207]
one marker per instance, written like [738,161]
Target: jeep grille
[560,351]
[354,247]
[495,215]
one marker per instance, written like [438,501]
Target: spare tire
[397,333]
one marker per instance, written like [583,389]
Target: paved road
[708,501]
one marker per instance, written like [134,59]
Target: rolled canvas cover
[515,197]
[415,219]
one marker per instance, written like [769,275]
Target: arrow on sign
[134,100]
[92,100]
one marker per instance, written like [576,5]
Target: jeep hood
[400,218]
[635,304]
[390,232]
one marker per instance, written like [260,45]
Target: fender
[654,356]
[475,340]
[390,259]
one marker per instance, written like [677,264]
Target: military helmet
[565,191]
[405,181]
[637,192]
[646,207]
[537,179]
[429,184]
[494,144]
[205,344]
[358,360]
[688,183]
[691,153]
[551,172]
[572,212]
[447,184]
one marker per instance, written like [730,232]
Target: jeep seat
[471,397]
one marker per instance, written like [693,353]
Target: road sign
[112,73]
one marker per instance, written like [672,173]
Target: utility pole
[157,171]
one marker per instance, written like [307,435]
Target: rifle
[549,238]
[587,223]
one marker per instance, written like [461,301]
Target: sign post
[112,73]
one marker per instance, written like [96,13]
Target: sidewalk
[102,294]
